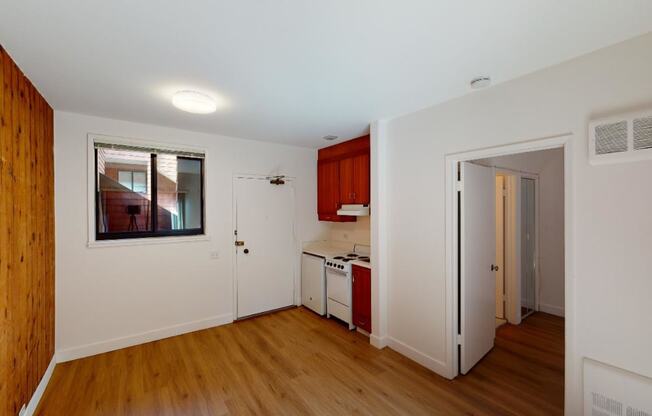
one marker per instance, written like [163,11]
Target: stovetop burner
[365,259]
[352,255]
[338,257]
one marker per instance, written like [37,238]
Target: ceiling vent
[624,138]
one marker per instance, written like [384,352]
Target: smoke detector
[480,82]
[330,137]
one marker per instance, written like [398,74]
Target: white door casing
[265,263]
[478,256]
[500,247]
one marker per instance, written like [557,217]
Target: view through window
[144,192]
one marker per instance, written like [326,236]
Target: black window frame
[128,235]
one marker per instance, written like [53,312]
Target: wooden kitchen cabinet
[362,297]
[354,180]
[343,177]
[328,192]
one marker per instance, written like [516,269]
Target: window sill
[147,241]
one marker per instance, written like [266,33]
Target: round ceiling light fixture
[330,137]
[480,82]
[194,102]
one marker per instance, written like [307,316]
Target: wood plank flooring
[296,363]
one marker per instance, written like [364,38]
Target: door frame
[537,259]
[513,242]
[565,141]
[290,181]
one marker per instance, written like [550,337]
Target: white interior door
[265,262]
[478,256]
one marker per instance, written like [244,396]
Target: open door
[477,263]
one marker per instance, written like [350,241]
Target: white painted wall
[109,297]
[353,232]
[549,165]
[611,205]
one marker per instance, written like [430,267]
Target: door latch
[239,243]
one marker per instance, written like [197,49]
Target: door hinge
[458,186]
[460,339]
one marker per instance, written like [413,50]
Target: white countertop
[327,248]
[332,249]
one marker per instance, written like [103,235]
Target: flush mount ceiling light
[330,137]
[194,102]
[480,82]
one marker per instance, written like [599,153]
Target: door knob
[246,251]
[494,268]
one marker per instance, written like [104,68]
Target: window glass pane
[179,192]
[124,178]
[140,182]
[120,209]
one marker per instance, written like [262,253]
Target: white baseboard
[100,347]
[425,360]
[378,342]
[40,389]
[552,309]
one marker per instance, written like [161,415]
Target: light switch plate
[215,255]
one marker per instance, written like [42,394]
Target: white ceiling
[292,71]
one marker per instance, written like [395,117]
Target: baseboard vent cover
[611,391]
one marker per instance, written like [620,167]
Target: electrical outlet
[215,255]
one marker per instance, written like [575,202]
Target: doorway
[494,240]
[529,260]
[517,223]
[265,245]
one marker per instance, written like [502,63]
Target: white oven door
[338,286]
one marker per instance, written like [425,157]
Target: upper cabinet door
[354,180]
[328,185]
[343,178]
[361,173]
[347,171]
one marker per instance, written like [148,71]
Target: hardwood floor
[296,363]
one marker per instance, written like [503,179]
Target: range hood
[354,210]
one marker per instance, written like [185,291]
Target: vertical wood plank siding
[26,237]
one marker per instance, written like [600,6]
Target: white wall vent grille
[611,138]
[624,138]
[610,391]
[642,133]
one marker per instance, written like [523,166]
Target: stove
[339,284]
[342,262]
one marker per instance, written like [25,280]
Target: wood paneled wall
[26,237]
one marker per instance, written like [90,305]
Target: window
[136,181]
[145,192]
